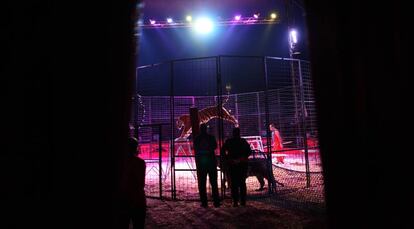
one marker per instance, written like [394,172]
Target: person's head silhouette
[132,146]
[203,128]
[236,132]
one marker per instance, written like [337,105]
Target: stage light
[152,22]
[256,16]
[237,17]
[203,25]
[273,15]
[188,18]
[293,36]
[169,20]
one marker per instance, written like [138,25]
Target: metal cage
[256,91]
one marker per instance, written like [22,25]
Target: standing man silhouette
[238,150]
[204,145]
[133,201]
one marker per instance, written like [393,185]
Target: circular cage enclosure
[228,91]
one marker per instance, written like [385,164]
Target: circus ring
[257,91]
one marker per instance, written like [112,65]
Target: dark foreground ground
[259,213]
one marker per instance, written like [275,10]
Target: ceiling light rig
[188,21]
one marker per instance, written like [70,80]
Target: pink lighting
[152,22]
[237,17]
[256,16]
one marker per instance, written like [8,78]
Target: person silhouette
[133,201]
[235,152]
[204,146]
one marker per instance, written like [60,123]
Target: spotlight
[256,16]
[293,37]
[203,25]
[237,17]
[169,20]
[152,22]
[189,18]
[273,15]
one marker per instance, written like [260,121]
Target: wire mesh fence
[250,91]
